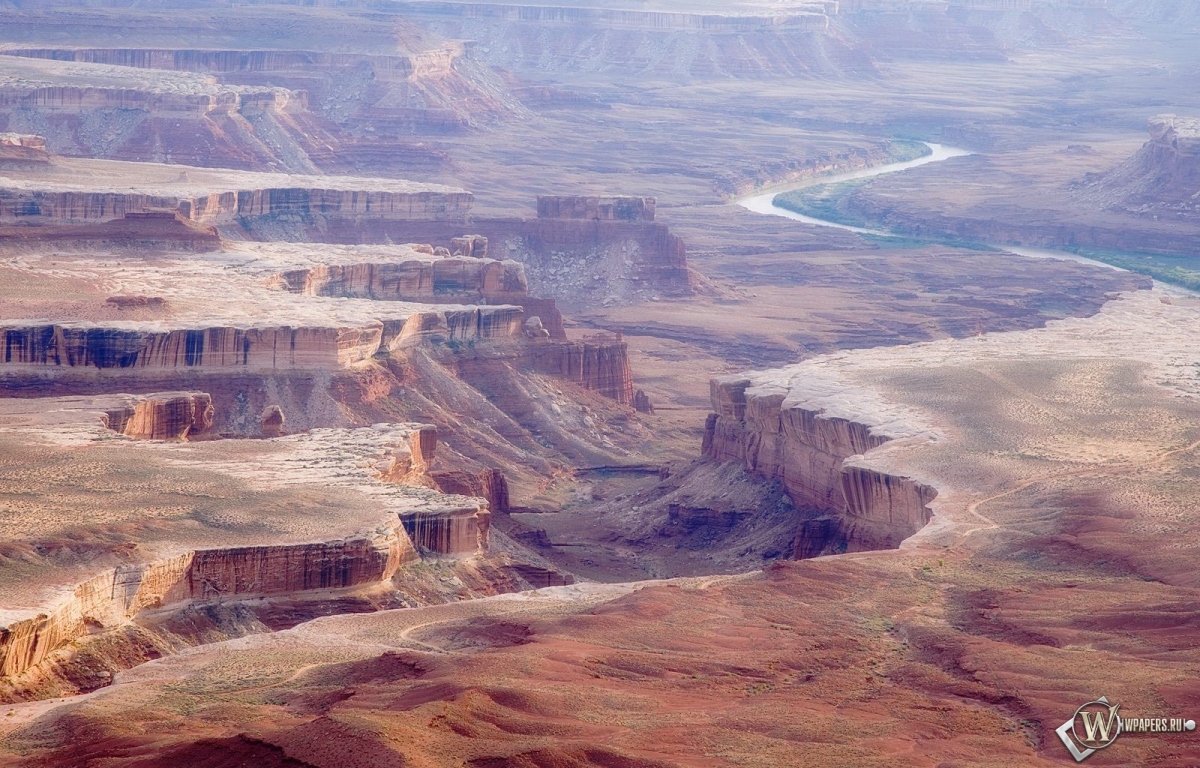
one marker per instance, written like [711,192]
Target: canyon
[409,383]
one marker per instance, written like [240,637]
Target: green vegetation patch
[1177,269]
[823,202]
[903,150]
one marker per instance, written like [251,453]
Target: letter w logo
[1096,727]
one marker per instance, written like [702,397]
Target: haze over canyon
[641,384]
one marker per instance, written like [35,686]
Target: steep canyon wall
[116,596]
[807,452]
[62,347]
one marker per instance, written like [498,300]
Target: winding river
[763,202]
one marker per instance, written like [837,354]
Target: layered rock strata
[22,149]
[207,196]
[115,597]
[1165,171]
[596,208]
[75,99]
[353,461]
[461,280]
[166,416]
[250,349]
[772,431]
[417,91]
[564,258]
[600,364]
[489,484]
[165,230]
[119,112]
[469,279]
[770,42]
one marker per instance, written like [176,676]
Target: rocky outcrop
[461,280]
[246,349]
[79,98]
[489,484]
[641,402]
[451,529]
[50,207]
[227,197]
[807,452]
[370,460]
[416,91]
[470,279]
[116,596]
[572,260]
[165,416]
[600,364]
[596,208]
[22,150]
[149,229]
[474,246]
[1165,171]
[272,421]
[454,532]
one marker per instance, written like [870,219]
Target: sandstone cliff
[408,519]
[596,208]
[458,280]
[225,197]
[116,596]
[455,279]
[540,38]
[166,416]
[575,261]
[165,230]
[600,364]
[246,349]
[416,91]
[22,150]
[807,452]
[1163,174]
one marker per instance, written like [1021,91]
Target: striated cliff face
[461,280]
[807,452]
[455,279]
[575,261]
[418,91]
[246,349]
[596,208]
[488,484]
[116,596]
[77,98]
[387,463]
[55,194]
[455,532]
[538,38]
[223,207]
[166,416]
[601,365]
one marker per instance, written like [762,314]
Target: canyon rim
[648,384]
